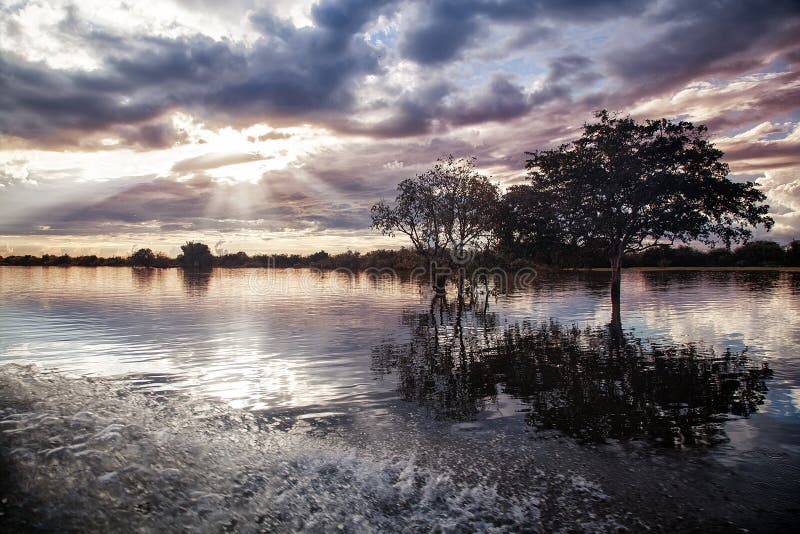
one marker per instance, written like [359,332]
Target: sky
[274,126]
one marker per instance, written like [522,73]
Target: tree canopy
[143,257]
[624,186]
[196,256]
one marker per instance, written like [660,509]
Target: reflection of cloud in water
[302,340]
[723,309]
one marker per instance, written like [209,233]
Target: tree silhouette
[624,186]
[143,257]
[793,253]
[448,208]
[762,253]
[527,225]
[195,281]
[195,256]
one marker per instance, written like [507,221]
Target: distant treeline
[401,259]
[752,254]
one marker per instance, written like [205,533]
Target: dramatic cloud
[247,123]
[439,31]
[712,38]
[767,146]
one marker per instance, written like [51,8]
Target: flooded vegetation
[200,400]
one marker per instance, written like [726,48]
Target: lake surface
[515,409]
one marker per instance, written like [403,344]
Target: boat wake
[94,454]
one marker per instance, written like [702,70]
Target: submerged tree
[625,186]
[444,211]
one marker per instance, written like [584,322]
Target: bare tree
[446,211]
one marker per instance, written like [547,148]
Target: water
[325,401]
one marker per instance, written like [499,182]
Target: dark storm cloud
[688,39]
[567,74]
[440,37]
[150,136]
[413,113]
[345,17]
[311,74]
[302,71]
[298,72]
[528,36]
[570,66]
[502,99]
[442,104]
[36,101]
[44,103]
[443,29]
[163,62]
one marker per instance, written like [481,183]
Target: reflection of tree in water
[589,383]
[143,276]
[589,386]
[663,281]
[754,281]
[793,279]
[757,281]
[438,368]
[195,282]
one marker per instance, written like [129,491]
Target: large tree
[446,211]
[143,257]
[625,186]
[195,256]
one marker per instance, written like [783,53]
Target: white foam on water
[92,454]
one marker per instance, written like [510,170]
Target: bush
[793,253]
[240,259]
[759,253]
[143,257]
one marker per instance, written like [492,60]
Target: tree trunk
[459,327]
[439,275]
[616,316]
